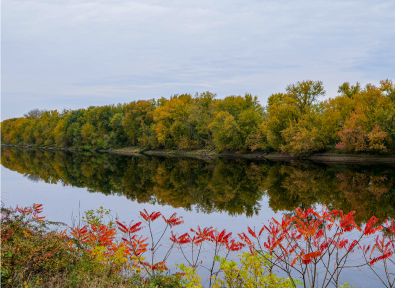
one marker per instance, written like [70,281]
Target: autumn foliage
[323,245]
[312,248]
[295,121]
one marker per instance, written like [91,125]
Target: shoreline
[323,157]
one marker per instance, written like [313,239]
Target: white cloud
[79,53]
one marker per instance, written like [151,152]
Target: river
[229,194]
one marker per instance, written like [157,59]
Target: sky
[59,54]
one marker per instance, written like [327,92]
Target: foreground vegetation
[33,255]
[296,121]
[104,252]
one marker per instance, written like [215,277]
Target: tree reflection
[232,186]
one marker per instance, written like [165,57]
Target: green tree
[138,121]
[349,90]
[305,94]
[236,118]
[88,133]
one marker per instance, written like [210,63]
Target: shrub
[93,256]
[35,256]
[255,271]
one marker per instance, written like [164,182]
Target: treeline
[296,121]
[232,186]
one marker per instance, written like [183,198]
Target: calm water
[223,193]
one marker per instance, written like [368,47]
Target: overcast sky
[73,54]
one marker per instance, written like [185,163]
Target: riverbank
[211,154]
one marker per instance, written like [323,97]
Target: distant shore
[329,156]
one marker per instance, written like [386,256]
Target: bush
[29,251]
[255,271]
[32,255]
[91,256]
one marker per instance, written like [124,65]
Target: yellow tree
[281,112]
[88,133]
[138,120]
[173,126]
[289,115]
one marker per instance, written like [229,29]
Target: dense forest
[232,186]
[295,121]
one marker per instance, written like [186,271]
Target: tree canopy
[297,121]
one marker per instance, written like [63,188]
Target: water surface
[223,193]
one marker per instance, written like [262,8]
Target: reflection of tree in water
[300,185]
[33,178]
[191,183]
[233,186]
[187,183]
[369,192]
